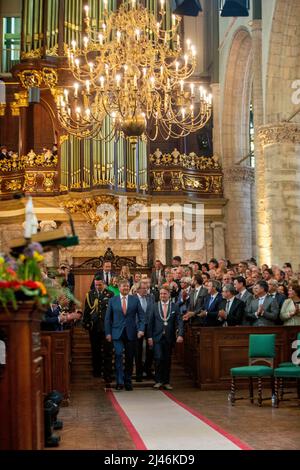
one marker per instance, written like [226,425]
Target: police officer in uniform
[93,320]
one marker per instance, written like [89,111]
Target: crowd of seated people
[220,294]
[213,294]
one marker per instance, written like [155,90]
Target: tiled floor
[91,423]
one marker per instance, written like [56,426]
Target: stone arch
[238,177]
[283,61]
[237,98]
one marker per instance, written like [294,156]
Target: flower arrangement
[23,278]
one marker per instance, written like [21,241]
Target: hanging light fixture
[137,74]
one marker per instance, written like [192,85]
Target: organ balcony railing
[83,166]
[191,174]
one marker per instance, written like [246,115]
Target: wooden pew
[21,380]
[211,352]
[56,351]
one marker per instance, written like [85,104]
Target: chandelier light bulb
[76,87]
[102,80]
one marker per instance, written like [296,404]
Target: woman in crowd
[113,287]
[290,311]
[126,275]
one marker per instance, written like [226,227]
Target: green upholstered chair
[280,375]
[261,350]
[290,364]
[286,370]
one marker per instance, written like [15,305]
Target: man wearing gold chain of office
[165,323]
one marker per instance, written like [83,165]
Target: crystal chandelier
[137,74]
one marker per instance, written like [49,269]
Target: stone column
[158,227]
[178,245]
[218,229]
[238,181]
[258,113]
[280,238]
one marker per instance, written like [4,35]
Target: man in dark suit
[273,292]
[240,287]
[164,320]
[231,311]
[280,298]
[96,303]
[263,310]
[106,274]
[124,323]
[3,153]
[211,306]
[158,274]
[197,296]
[53,318]
[147,304]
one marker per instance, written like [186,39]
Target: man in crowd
[183,299]
[3,153]
[231,311]
[93,320]
[210,311]
[124,324]
[158,274]
[147,303]
[240,286]
[176,262]
[106,274]
[197,296]
[164,320]
[273,292]
[263,310]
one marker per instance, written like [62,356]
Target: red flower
[4,284]
[30,284]
[9,284]
[15,284]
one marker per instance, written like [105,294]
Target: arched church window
[251,138]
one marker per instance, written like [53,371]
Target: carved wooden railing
[173,172]
[33,173]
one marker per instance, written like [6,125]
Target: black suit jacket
[156,327]
[101,275]
[236,312]
[211,318]
[50,321]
